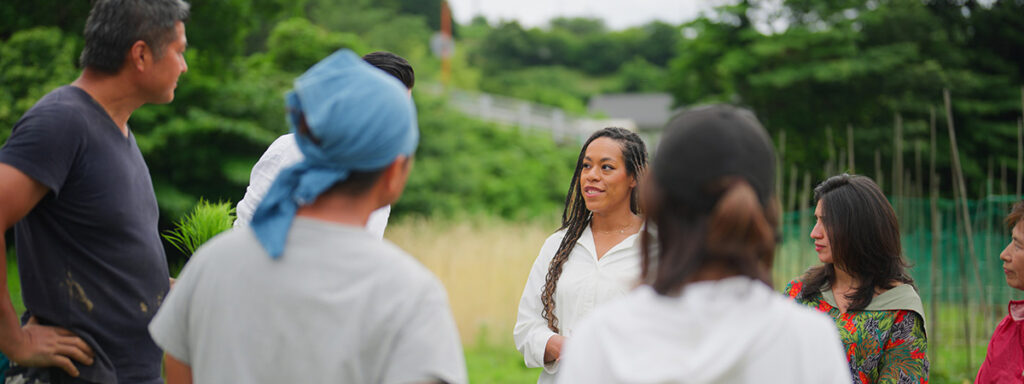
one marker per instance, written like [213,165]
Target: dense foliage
[813,64]
[807,67]
[242,56]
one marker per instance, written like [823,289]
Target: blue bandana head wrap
[362,119]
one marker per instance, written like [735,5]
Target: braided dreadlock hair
[576,216]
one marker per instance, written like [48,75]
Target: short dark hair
[115,25]
[394,65]
[863,236]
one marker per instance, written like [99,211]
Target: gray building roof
[650,111]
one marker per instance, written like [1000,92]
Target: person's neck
[843,281]
[341,209]
[616,221]
[113,92]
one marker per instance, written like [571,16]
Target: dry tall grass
[483,264]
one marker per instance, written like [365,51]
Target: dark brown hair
[576,217]
[737,235]
[863,236]
[710,200]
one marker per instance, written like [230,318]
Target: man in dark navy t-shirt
[78,193]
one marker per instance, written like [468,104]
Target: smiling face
[820,236]
[1013,258]
[604,182]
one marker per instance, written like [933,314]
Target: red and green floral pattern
[882,347]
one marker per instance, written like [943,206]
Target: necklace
[620,231]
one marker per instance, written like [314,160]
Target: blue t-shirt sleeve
[44,145]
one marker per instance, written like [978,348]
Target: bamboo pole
[1020,151]
[779,160]
[918,172]
[805,205]
[936,262]
[842,162]
[791,203]
[897,158]
[879,177]
[959,175]
[849,148]
[965,302]
[830,165]
[1003,178]
[987,222]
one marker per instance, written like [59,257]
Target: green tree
[858,63]
[32,63]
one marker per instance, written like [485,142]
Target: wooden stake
[1020,154]
[879,177]
[897,158]
[849,148]
[830,165]
[961,186]
[936,262]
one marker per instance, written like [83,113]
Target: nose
[816,233]
[1005,254]
[591,174]
[184,65]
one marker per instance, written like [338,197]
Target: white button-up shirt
[282,153]
[585,283]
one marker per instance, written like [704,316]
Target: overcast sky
[617,14]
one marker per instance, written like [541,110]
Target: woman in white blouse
[594,257]
[706,312]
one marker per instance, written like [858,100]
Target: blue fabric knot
[362,119]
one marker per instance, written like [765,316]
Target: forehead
[179,33]
[818,208]
[1018,230]
[604,147]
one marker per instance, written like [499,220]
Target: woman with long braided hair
[593,257]
[706,312]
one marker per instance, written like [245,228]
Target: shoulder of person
[793,288]
[57,117]
[802,320]
[555,238]
[283,143]
[405,267]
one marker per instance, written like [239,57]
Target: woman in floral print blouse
[863,283]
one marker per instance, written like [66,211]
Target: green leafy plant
[204,222]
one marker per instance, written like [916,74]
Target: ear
[394,178]
[139,55]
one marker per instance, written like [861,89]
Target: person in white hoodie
[706,312]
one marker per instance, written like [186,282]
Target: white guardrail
[526,115]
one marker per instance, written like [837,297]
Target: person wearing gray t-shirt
[304,294]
